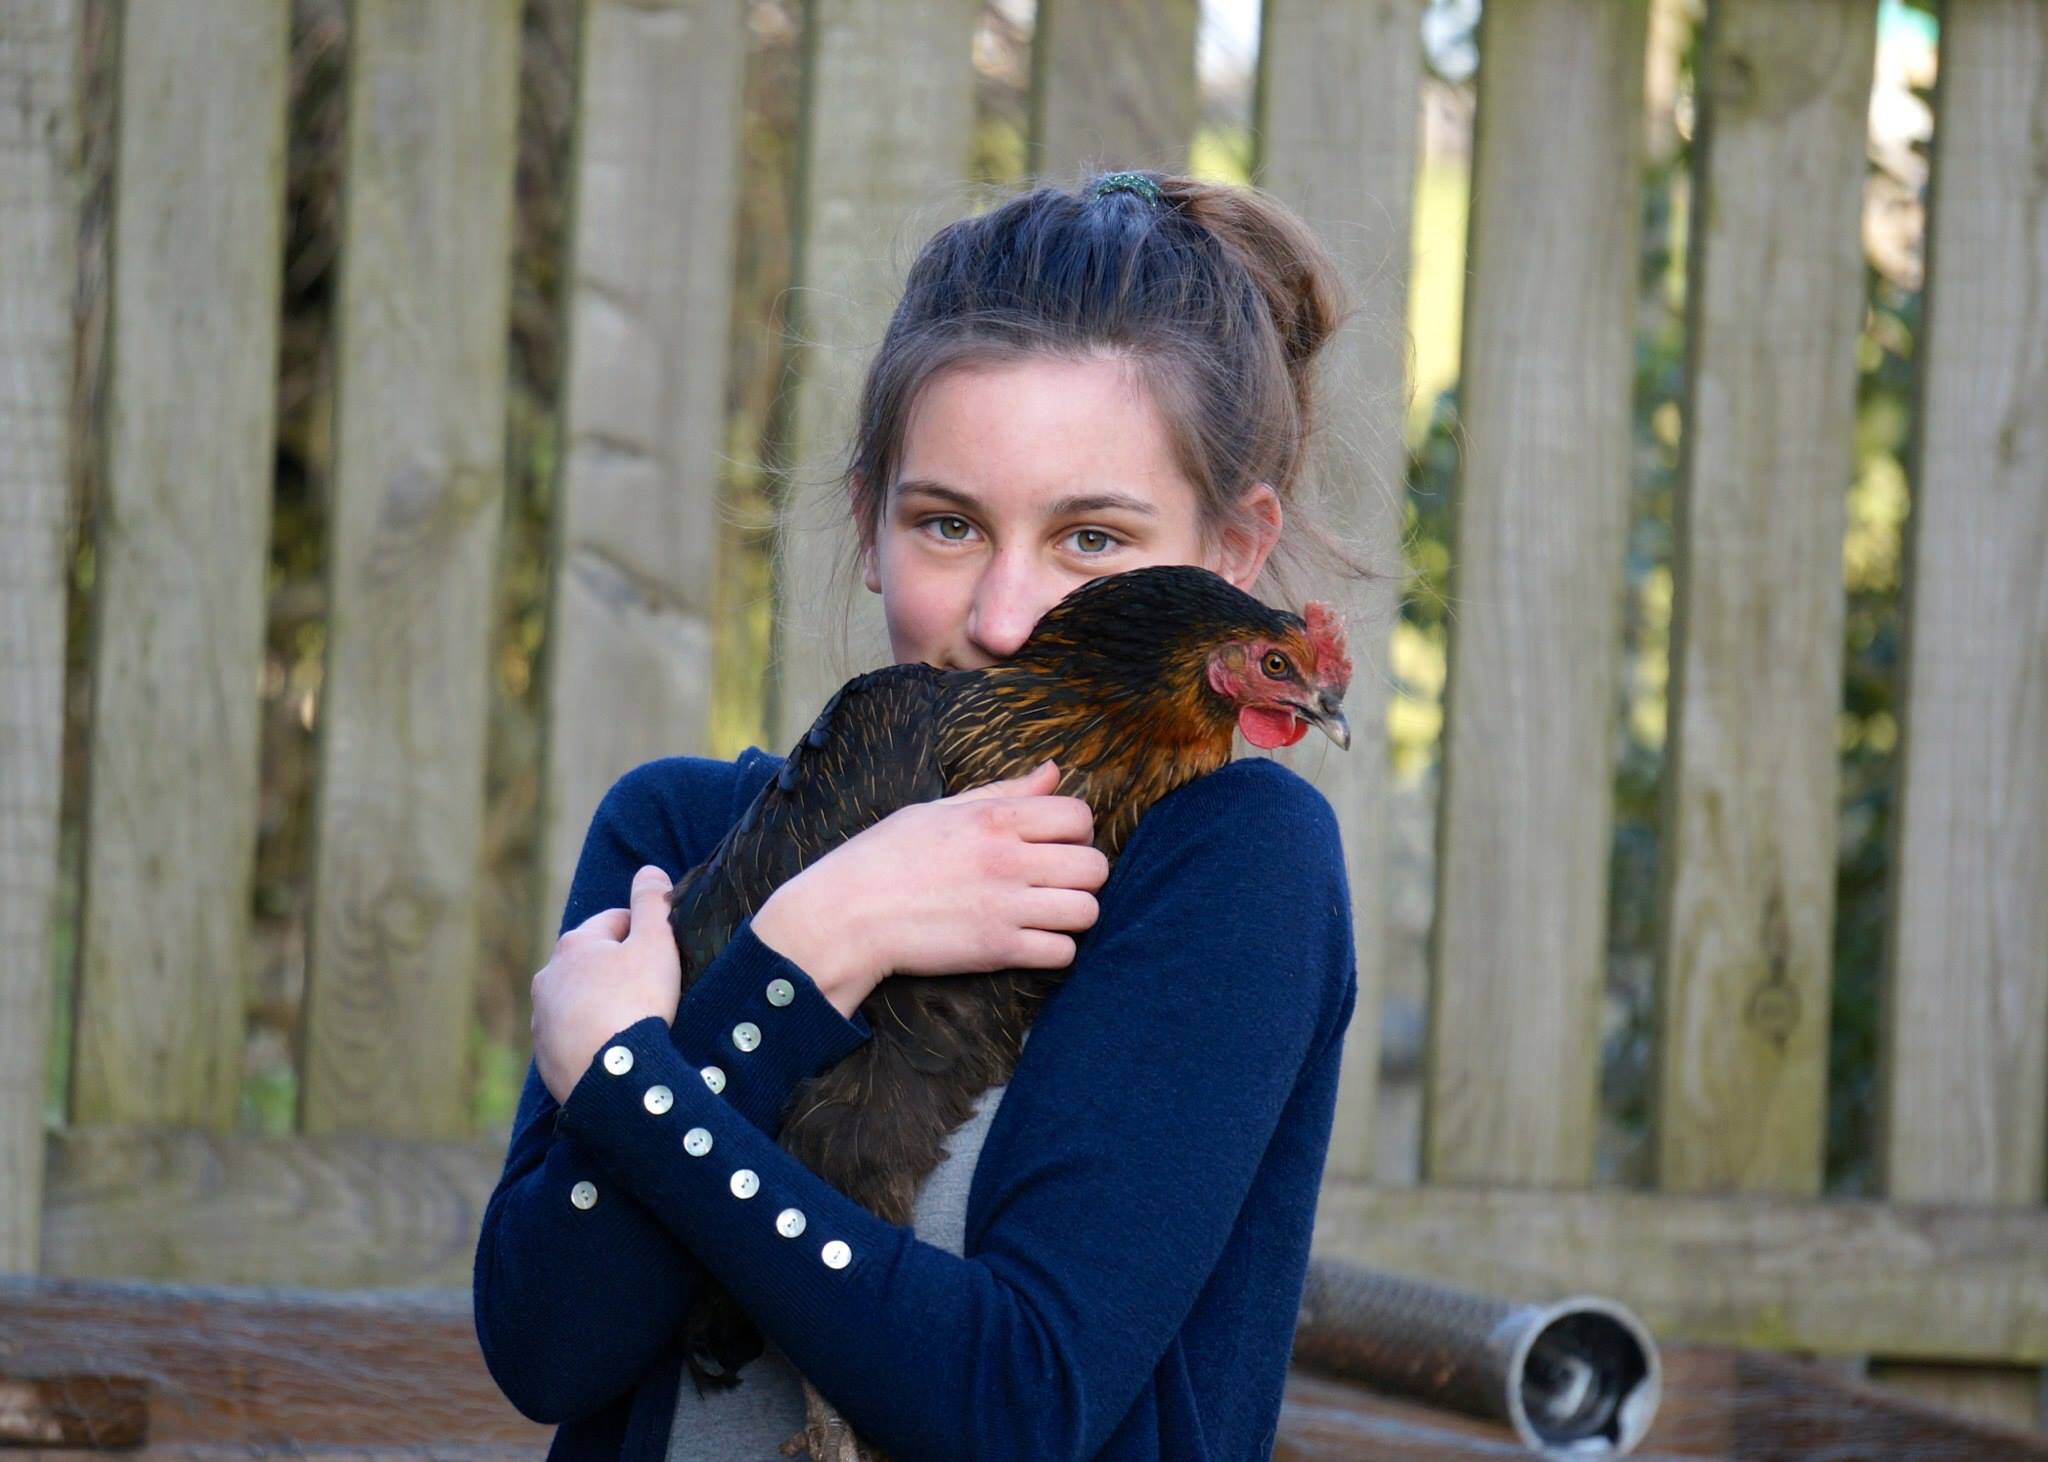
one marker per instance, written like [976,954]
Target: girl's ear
[1247,544]
[868,573]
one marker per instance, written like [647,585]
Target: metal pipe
[1576,1378]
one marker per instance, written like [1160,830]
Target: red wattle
[1266,727]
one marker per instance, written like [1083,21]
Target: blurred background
[1714,941]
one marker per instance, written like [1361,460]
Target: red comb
[1326,638]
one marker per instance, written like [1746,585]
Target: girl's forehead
[1026,437]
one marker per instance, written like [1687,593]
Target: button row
[745,1182]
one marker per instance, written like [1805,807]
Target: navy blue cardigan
[1138,1224]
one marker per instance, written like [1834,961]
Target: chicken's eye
[1276,665]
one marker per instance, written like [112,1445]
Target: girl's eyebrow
[1073,503]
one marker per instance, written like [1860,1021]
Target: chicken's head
[1283,683]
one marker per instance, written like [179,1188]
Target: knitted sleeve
[565,1252]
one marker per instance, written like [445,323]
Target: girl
[1109,1261]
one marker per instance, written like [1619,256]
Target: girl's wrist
[827,950]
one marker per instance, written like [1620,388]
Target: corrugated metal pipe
[1576,1378]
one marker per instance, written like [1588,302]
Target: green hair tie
[1127,183]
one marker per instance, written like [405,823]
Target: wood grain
[268,1370]
[1964,1069]
[179,564]
[1113,86]
[1338,109]
[635,559]
[876,181]
[418,488]
[1949,1280]
[1775,302]
[1960,1281]
[1519,938]
[39,193]
[333,1212]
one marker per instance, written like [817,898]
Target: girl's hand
[988,879]
[615,968]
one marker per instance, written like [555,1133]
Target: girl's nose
[1007,605]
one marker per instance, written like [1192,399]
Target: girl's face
[1019,482]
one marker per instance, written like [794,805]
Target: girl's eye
[942,521]
[1107,541]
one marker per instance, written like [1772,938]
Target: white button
[658,1099]
[790,1222]
[835,1254]
[745,1184]
[696,1142]
[583,1194]
[780,992]
[618,1060]
[746,1035]
[714,1078]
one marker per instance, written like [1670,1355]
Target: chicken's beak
[1328,714]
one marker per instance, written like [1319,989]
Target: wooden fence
[384,1184]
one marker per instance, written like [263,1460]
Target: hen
[1135,684]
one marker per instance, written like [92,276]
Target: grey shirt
[750,1421]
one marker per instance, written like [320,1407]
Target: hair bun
[1296,275]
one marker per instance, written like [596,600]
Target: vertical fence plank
[1748,875]
[650,296]
[39,181]
[183,543]
[888,109]
[419,478]
[1338,108]
[1520,926]
[1965,1067]
[1113,85]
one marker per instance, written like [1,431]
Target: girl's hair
[1218,296]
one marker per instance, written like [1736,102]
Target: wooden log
[39,191]
[1338,108]
[393,1370]
[74,1410]
[636,553]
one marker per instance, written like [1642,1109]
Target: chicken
[1135,683]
